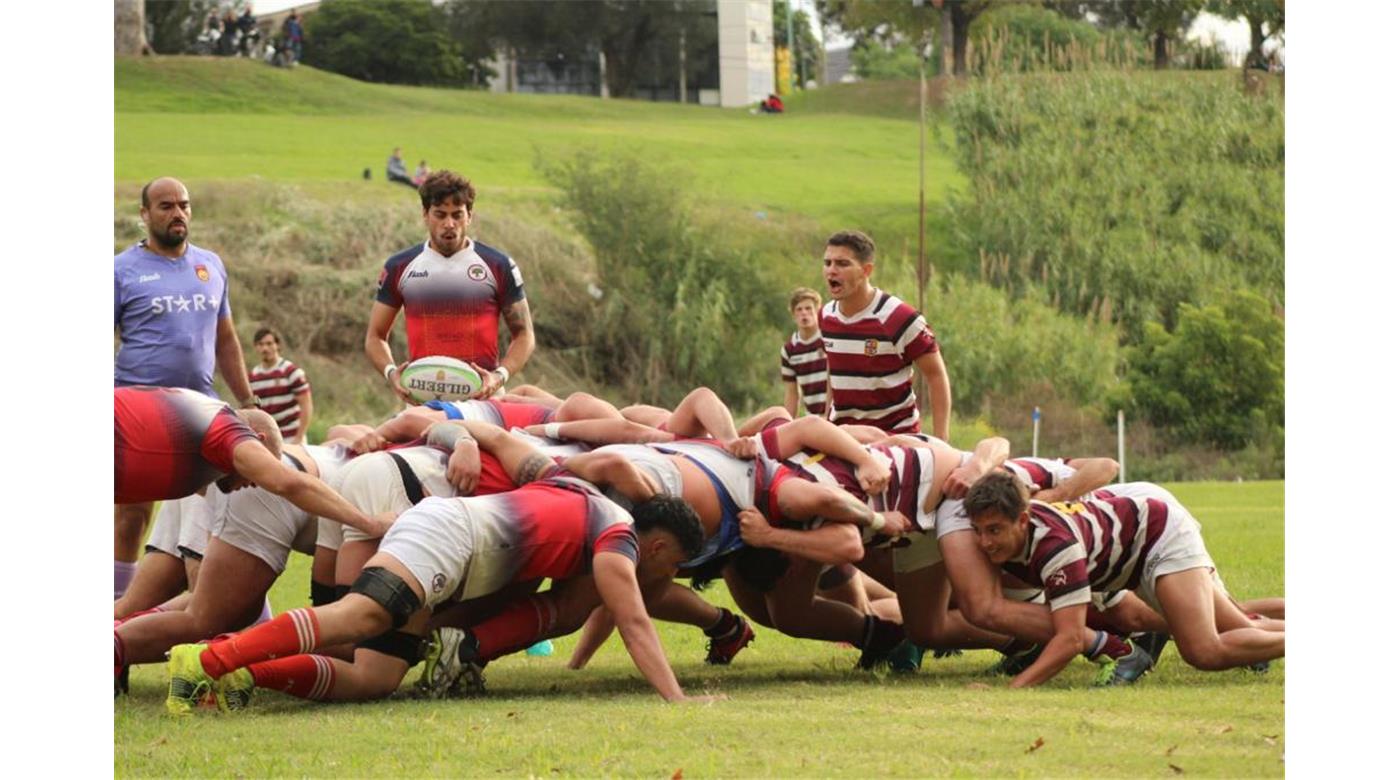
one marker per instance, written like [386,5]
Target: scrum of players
[432,532]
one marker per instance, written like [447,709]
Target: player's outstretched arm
[1090,475]
[595,632]
[609,431]
[1067,642]
[522,461]
[404,426]
[254,463]
[615,576]
[802,500]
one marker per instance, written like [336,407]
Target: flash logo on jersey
[201,272]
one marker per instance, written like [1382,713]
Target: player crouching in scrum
[1148,545]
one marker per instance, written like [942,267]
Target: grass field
[795,708]
[206,119]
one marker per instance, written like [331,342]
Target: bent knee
[1208,656]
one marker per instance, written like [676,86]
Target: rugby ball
[439,378]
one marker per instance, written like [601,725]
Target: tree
[631,34]
[129,27]
[1218,379]
[1258,14]
[1162,21]
[807,53]
[175,24]
[393,41]
[905,22]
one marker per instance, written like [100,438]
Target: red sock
[1109,645]
[290,633]
[518,626]
[304,676]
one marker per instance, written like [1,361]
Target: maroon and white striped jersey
[870,358]
[1039,473]
[804,362]
[1095,544]
[911,476]
[277,388]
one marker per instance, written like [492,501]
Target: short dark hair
[804,294]
[266,331]
[445,186]
[146,194]
[862,245]
[675,517]
[998,491]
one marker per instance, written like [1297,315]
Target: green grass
[843,162]
[795,708]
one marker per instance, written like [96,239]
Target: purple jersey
[168,313]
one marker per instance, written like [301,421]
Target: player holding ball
[452,290]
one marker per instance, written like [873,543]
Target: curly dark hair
[673,516]
[446,187]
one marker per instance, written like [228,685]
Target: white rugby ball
[439,378]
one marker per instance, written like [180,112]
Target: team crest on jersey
[476,272]
[871,347]
[201,272]
[439,582]
[1057,579]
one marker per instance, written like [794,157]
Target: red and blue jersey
[452,305]
[170,442]
[549,528]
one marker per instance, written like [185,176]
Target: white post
[1035,432]
[1122,464]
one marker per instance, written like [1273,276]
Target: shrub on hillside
[681,304]
[994,346]
[1122,194]
[1217,379]
[877,62]
[1019,37]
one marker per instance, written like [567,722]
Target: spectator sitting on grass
[422,172]
[394,170]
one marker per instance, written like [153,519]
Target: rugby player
[451,549]
[1149,545]
[172,442]
[453,292]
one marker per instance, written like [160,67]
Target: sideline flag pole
[1035,432]
[1122,464]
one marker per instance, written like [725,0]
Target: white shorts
[921,553]
[434,542]
[1103,602]
[372,483]
[329,534]
[182,527]
[1180,548]
[265,526]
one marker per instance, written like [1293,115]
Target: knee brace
[389,591]
[322,594]
[406,647]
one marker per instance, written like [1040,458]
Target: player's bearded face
[447,226]
[168,219]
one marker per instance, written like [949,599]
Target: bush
[1121,194]
[681,303]
[872,60]
[1018,38]
[1218,379]
[994,346]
